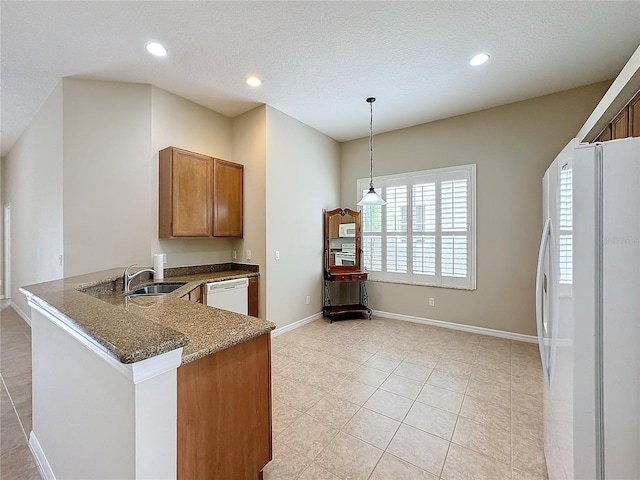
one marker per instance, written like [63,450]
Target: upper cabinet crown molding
[199,196]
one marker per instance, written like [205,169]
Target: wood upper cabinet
[625,124]
[634,117]
[605,135]
[620,124]
[185,192]
[227,198]
[199,196]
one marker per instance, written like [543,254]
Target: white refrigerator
[588,311]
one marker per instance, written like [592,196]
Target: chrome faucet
[126,278]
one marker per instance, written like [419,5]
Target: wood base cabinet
[224,413]
[195,295]
[199,196]
[253,297]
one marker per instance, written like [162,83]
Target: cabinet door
[185,194]
[605,135]
[253,296]
[224,413]
[227,198]
[634,117]
[620,124]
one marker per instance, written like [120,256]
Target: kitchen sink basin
[156,289]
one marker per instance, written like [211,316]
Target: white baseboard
[24,316]
[294,325]
[41,459]
[457,326]
[425,321]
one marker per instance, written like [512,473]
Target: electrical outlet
[277,254]
[432,302]
[248,254]
[60,260]
[234,254]
[307,300]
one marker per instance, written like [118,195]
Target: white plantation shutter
[454,256]
[454,205]
[371,226]
[396,213]
[423,208]
[372,253]
[566,259]
[426,232]
[565,224]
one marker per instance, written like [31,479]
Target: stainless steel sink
[156,289]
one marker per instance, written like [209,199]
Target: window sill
[419,284]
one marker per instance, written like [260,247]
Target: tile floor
[387,399]
[359,399]
[16,461]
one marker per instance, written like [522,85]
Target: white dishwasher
[229,295]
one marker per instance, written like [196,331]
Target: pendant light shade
[371,197]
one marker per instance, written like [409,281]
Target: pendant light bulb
[371,197]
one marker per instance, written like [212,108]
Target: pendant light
[371,197]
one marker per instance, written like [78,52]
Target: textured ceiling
[319,60]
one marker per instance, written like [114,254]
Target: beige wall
[33,187]
[512,146]
[302,180]
[178,122]
[107,166]
[90,157]
[2,283]
[249,148]
[113,132]
[108,151]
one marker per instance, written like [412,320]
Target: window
[565,225]
[426,232]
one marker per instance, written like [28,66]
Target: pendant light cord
[371,100]
[371,197]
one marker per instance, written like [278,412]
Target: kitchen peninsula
[150,386]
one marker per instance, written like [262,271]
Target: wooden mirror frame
[340,213]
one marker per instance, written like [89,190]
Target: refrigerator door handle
[544,245]
[553,307]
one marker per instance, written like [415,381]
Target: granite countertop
[136,328]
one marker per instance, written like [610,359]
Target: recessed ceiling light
[479,59]
[253,81]
[156,49]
